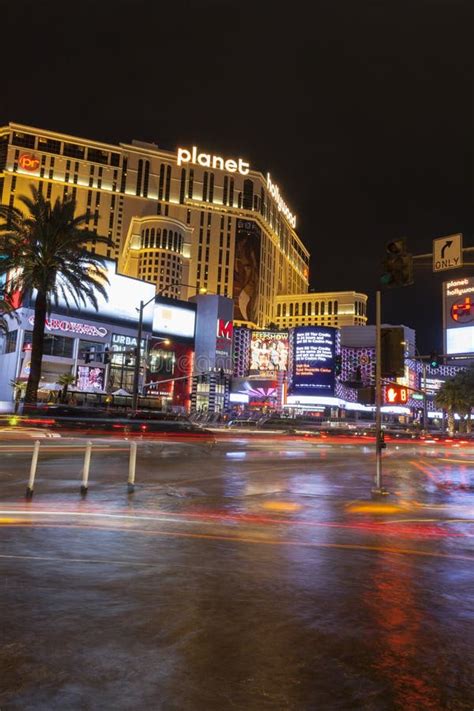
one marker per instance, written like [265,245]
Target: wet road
[251,574]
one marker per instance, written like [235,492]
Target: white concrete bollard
[131,467]
[34,464]
[85,471]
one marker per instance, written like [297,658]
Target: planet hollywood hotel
[182,220]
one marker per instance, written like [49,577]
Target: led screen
[460,340]
[313,361]
[174,320]
[458,297]
[90,379]
[124,296]
[268,351]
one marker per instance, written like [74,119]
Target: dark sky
[361,109]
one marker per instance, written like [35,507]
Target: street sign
[447,253]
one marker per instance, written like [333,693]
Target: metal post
[425,403]
[34,463]
[379,441]
[131,467]
[136,374]
[85,471]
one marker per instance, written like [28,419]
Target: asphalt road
[251,574]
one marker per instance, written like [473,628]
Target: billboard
[313,357]
[268,351]
[90,379]
[174,320]
[458,304]
[248,237]
[124,296]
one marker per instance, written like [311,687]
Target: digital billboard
[174,320]
[124,296]
[246,270]
[313,356]
[90,379]
[268,351]
[458,299]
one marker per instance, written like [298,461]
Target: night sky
[361,110]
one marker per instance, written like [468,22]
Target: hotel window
[248,195]
[24,140]
[322,308]
[225,191]
[204,186]
[123,181]
[97,156]
[291,309]
[330,308]
[182,186]
[139,176]
[146,178]
[284,310]
[74,151]
[303,312]
[191,184]
[231,192]
[161,182]
[278,310]
[115,159]
[336,307]
[316,308]
[168,183]
[211,188]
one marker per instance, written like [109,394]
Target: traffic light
[398,265]
[106,355]
[393,352]
[338,364]
[435,361]
[366,396]
[395,395]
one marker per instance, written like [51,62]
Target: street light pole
[138,354]
[379,441]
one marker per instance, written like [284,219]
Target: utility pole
[379,438]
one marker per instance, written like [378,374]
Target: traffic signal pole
[379,440]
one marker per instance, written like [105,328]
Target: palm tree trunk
[37,348]
[451,422]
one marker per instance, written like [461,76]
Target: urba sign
[209,161]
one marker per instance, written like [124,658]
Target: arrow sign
[445,247]
[447,253]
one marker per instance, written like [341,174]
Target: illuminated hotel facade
[334,308]
[184,220]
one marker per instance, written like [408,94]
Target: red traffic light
[395,395]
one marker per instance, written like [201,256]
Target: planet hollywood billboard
[458,303]
[313,351]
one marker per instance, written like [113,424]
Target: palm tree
[66,379]
[452,397]
[46,251]
[465,378]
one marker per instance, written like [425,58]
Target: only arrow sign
[445,247]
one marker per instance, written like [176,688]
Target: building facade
[183,220]
[334,308]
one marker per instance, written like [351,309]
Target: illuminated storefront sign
[83,329]
[28,162]
[268,351]
[274,191]
[313,351]
[206,160]
[225,329]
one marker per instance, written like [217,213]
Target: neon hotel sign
[207,160]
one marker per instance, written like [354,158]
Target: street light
[143,305]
